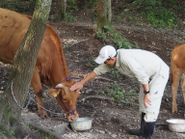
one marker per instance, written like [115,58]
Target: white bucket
[176,125]
[82,124]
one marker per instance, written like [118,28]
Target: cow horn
[59,86]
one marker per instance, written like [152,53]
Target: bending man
[147,68]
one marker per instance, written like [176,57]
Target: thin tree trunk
[61,14]
[22,71]
[104,13]
[63,9]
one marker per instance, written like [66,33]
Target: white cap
[105,53]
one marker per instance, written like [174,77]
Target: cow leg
[175,76]
[37,87]
[183,86]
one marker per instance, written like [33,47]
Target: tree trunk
[61,14]
[22,71]
[63,9]
[104,13]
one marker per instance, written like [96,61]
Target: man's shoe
[148,130]
[140,131]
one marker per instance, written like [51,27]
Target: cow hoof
[174,109]
[43,115]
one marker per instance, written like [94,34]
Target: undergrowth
[159,13]
[117,40]
[155,12]
[117,93]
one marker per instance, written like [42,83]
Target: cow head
[66,99]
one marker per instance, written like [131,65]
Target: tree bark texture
[22,70]
[63,9]
[104,13]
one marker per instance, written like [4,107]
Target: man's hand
[147,100]
[77,86]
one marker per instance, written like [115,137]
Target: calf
[51,67]
[177,70]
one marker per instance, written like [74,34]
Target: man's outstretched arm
[79,85]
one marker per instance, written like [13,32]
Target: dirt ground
[112,118]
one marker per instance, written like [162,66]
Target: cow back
[13,28]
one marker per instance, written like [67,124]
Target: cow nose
[74,118]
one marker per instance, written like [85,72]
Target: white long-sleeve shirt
[136,63]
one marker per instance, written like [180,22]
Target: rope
[29,99]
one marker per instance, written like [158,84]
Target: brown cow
[177,69]
[51,67]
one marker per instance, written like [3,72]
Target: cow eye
[64,100]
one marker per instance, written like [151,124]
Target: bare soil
[112,118]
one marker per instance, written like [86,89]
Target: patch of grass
[47,136]
[55,3]
[90,3]
[69,17]
[18,5]
[160,17]
[118,18]
[117,92]
[114,73]
[30,127]
[184,36]
[103,92]
[32,4]
[5,132]
[155,13]
[91,63]
[72,4]
[116,38]
[12,132]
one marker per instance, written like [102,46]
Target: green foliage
[69,18]
[92,63]
[103,93]
[118,18]
[48,136]
[184,36]
[4,131]
[32,4]
[114,73]
[30,127]
[161,17]
[4,4]
[12,132]
[116,38]
[15,5]
[117,92]
[72,4]
[55,3]
[155,12]
[90,3]
[18,5]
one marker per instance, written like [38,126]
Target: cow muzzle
[72,117]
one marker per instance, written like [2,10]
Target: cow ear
[59,85]
[53,92]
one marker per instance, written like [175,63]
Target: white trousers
[156,87]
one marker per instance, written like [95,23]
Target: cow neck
[61,70]
[60,64]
